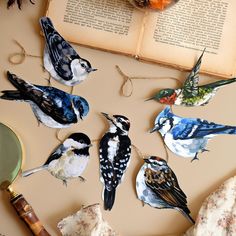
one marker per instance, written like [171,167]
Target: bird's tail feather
[34,170]
[18,83]
[46,25]
[11,95]
[220,83]
[109,198]
[186,214]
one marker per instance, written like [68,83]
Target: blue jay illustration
[51,106]
[187,137]
[60,59]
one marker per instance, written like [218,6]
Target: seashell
[88,221]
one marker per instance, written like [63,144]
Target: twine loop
[19,57]
[128,79]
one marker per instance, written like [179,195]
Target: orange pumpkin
[160,4]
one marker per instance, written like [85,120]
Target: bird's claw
[71,90]
[64,182]
[48,80]
[195,158]
[205,150]
[82,179]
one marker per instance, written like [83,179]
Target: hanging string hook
[58,135]
[19,57]
[128,79]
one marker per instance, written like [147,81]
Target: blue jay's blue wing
[190,88]
[165,185]
[60,51]
[197,128]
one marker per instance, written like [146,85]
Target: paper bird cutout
[51,106]
[157,185]
[187,137]
[191,94]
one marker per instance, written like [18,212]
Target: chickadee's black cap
[80,137]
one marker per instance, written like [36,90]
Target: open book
[174,37]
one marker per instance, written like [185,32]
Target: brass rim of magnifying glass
[6,185]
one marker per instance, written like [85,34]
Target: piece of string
[128,79]
[165,147]
[58,135]
[19,57]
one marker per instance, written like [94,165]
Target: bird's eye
[81,141]
[83,65]
[162,120]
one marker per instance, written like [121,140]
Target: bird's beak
[91,70]
[146,160]
[156,128]
[152,98]
[107,116]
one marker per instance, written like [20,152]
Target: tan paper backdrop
[51,200]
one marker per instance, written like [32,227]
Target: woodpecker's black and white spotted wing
[190,88]
[113,167]
[114,157]
[59,50]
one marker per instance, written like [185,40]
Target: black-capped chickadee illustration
[69,160]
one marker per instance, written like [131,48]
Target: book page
[178,35]
[107,24]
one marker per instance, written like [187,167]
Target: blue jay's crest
[60,58]
[51,106]
[187,137]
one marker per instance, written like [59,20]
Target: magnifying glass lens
[10,154]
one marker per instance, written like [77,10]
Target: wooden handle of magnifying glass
[27,214]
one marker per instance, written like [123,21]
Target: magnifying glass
[11,156]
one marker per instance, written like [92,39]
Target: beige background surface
[51,200]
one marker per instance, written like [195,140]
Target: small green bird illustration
[191,94]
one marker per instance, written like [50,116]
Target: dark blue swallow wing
[55,103]
[52,101]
